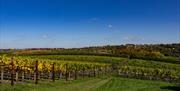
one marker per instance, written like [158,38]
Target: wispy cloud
[94,19]
[45,36]
[110,25]
[132,38]
[48,40]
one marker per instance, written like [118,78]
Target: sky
[83,23]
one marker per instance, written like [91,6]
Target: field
[95,84]
[89,45]
[87,73]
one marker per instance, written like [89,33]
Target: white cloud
[110,26]
[45,36]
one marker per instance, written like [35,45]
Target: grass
[94,84]
[100,84]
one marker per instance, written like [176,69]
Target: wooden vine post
[2,73]
[36,73]
[94,71]
[105,71]
[98,72]
[53,73]
[66,72]
[76,73]
[83,71]
[12,71]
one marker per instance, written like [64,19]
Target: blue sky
[80,23]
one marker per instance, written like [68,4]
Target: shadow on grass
[173,88]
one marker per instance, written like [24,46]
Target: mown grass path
[94,84]
[125,84]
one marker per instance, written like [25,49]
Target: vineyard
[69,67]
[22,69]
[133,68]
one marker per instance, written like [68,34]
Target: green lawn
[94,84]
